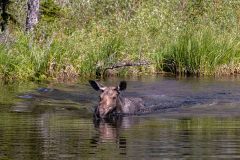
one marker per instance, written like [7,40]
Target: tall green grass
[82,38]
[199,52]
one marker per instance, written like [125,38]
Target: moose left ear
[122,86]
[96,86]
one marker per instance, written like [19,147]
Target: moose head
[109,98]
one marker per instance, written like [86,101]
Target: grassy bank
[81,38]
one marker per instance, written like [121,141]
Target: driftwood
[127,64]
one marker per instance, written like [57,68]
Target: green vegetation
[79,38]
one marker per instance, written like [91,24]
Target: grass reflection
[9,92]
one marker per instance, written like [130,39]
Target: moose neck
[120,104]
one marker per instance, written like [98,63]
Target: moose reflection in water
[112,103]
[109,131]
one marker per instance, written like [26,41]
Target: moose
[113,103]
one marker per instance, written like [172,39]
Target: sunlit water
[193,119]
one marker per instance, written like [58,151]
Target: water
[194,119]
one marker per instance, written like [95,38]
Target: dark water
[193,119]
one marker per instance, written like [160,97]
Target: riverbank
[82,39]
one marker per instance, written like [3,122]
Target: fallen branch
[126,64]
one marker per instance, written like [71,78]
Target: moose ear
[122,86]
[96,85]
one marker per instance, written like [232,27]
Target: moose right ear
[122,86]
[96,85]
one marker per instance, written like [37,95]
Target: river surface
[192,119]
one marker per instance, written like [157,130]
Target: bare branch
[127,64]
